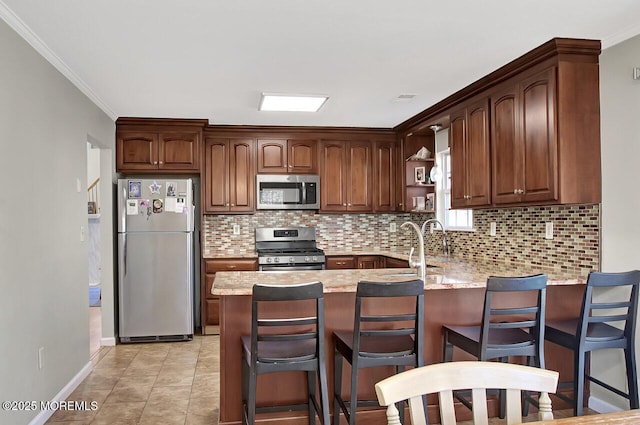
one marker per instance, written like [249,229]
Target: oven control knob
[269,259]
[315,258]
[277,259]
[306,259]
[291,259]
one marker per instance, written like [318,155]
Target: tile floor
[157,383]
[162,384]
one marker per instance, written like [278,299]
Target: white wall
[620,119]
[45,124]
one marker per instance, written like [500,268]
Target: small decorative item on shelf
[420,176]
[418,203]
[423,153]
[430,201]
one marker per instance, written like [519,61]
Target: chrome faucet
[445,242]
[421,264]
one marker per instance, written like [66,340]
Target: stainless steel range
[291,248]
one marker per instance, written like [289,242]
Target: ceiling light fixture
[292,102]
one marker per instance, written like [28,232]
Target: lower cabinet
[341,262]
[395,263]
[336,262]
[210,316]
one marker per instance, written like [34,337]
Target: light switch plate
[392,227]
[548,230]
[236,229]
[492,229]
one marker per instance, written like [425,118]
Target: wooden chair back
[478,376]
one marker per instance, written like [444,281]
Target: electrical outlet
[392,227]
[236,229]
[41,358]
[548,230]
[432,227]
[492,229]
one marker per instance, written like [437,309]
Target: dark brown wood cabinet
[168,151]
[470,154]
[364,262]
[525,163]
[281,156]
[346,176]
[336,262]
[384,171]
[229,184]
[147,145]
[395,263]
[210,314]
[369,261]
[544,133]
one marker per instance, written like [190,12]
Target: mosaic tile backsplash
[519,238]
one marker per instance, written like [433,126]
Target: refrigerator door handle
[124,253]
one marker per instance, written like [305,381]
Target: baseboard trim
[108,342]
[65,392]
[602,406]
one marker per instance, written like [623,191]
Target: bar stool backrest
[509,316]
[384,322]
[625,309]
[289,329]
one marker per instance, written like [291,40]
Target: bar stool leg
[578,382]
[353,407]
[337,387]
[447,353]
[324,393]
[632,377]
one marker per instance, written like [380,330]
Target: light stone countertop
[448,273]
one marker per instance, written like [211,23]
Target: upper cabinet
[229,183]
[384,172]
[525,165]
[470,152]
[281,156]
[167,146]
[346,176]
[541,126]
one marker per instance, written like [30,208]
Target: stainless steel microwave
[288,192]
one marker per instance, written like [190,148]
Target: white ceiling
[212,58]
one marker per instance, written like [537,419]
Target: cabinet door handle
[231,267]
[290,166]
[160,162]
[233,205]
[155,162]
[350,204]
[344,205]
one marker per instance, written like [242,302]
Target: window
[452,219]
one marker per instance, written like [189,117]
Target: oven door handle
[265,268]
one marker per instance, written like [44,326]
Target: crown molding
[622,35]
[41,47]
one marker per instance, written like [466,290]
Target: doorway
[94,248]
[102,318]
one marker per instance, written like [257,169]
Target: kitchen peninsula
[454,291]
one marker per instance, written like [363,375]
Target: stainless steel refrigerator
[155,259]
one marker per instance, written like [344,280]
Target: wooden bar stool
[383,339]
[593,330]
[279,344]
[507,328]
